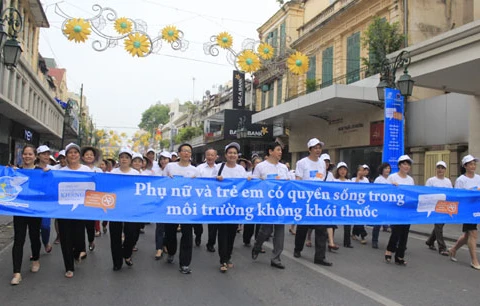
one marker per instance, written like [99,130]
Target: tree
[154,116]
[380,38]
[187,133]
[109,142]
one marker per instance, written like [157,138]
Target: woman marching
[227,232]
[384,170]
[123,251]
[20,225]
[341,176]
[359,230]
[165,158]
[43,162]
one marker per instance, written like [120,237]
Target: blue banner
[393,144]
[99,196]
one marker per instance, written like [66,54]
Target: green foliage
[311,85]
[154,116]
[187,133]
[380,38]
[165,144]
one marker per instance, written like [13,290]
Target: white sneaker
[17,278]
[35,266]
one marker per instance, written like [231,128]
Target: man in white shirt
[312,168]
[207,169]
[439,180]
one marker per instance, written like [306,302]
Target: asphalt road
[359,276]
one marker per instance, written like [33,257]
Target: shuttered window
[353,58]
[431,159]
[327,67]
[312,63]
[283,39]
[279,91]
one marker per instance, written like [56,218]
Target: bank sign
[241,120]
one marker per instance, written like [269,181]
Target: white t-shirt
[464,182]
[174,169]
[363,180]
[96,169]
[56,167]
[340,181]
[436,182]
[268,171]
[330,177]
[82,168]
[311,170]
[396,179]
[206,171]
[130,172]
[381,180]
[227,172]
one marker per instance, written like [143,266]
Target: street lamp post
[8,40]
[388,71]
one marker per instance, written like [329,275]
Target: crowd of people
[316,167]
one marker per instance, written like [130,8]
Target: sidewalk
[451,232]
[6,231]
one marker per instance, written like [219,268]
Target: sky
[120,87]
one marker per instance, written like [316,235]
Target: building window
[264,98]
[283,39]
[431,159]
[270,95]
[327,67]
[279,91]
[353,58]
[312,63]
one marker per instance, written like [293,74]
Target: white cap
[42,149]
[136,155]
[53,158]
[72,146]
[232,144]
[467,159]
[341,164]
[61,153]
[441,163]
[365,166]
[313,142]
[404,158]
[166,154]
[325,156]
[174,153]
[125,150]
[150,150]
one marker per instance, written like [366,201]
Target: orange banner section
[446,207]
[100,199]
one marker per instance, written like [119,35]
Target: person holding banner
[123,251]
[71,231]
[398,238]
[439,180]
[227,232]
[20,225]
[181,168]
[470,181]
[312,168]
[250,230]
[271,169]
[359,230]
[163,161]
[384,169]
[341,175]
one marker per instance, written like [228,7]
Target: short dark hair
[184,145]
[272,146]
[382,167]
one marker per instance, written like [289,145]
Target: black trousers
[72,240]
[320,239]
[212,235]
[359,230]
[20,225]
[226,239]
[198,230]
[248,231]
[398,240]
[186,242]
[122,250]
[90,227]
[347,232]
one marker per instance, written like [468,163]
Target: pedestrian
[341,176]
[181,168]
[359,230]
[137,164]
[471,181]
[312,168]
[439,180]
[207,169]
[384,171]
[174,156]
[271,169]
[103,165]
[71,231]
[251,230]
[227,232]
[399,237]
[122,251]
[61,159]
[21,224]
[165,158]
[151,156]
[329,177]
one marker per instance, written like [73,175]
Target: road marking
[343,281]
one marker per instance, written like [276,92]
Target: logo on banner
[436,203]
[10,187]
[73,193]
[103,200]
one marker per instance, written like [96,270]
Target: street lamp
[8,40]
[388,73]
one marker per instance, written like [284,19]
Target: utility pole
[80,117]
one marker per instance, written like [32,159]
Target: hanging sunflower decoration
[265,51]
[77,29]
[248,61]
[224,40]
[297,63]
[137,44]
[170,34]
[123,25]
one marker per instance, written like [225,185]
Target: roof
[57,74]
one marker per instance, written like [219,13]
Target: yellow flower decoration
[170,34]
[224,40]
[137,44]
[297,63]
[265,51]
[77,29]
[248,61]
[123,25]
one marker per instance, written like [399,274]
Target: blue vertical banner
[393,144]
